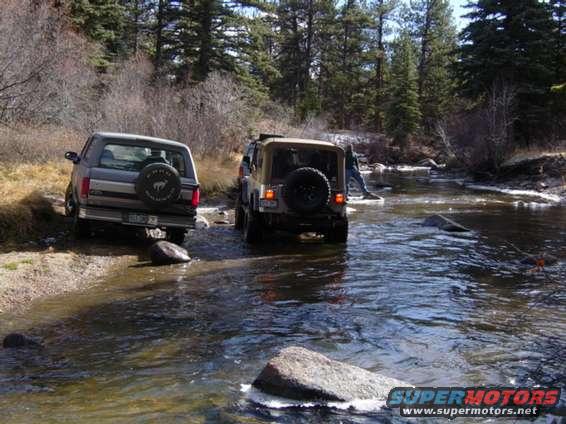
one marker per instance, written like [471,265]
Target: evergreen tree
[381,12]
[350,83]
[436,36]
[104,21]
[403,113]
[507,42]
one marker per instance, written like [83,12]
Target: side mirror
[73,157]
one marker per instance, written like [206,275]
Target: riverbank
[38,255]
[29,274]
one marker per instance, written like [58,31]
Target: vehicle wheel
[306,190]
[252,229]
[158,185]
[238,215]
[81,227]
[176,235]
[338,234]
[69,201]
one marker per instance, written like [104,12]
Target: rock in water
[166,253]
[201,223]
[444,223]
[298,373]
[539,260]
[16,340]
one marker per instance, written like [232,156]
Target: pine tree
[436,36]
[104,21]
[350,82]
[403,113]
[381,12]
[507,42]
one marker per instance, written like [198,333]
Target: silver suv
[133,180]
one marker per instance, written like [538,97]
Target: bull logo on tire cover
[159,185]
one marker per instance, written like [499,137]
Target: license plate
[141,218]
[264,203]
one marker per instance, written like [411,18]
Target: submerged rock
[166,253]
[539,260]
[17,340]
[201,223]
[298,373]
[444,223]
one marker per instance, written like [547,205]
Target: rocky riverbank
[29,274]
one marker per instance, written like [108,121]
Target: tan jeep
[294,185]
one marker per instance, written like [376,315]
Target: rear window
[134,158]
[286,160]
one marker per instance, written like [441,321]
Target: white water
[276,402]
[519,193]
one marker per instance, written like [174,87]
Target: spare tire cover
[306,190]
[158,185]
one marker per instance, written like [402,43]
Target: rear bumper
[300,224]
[118,216]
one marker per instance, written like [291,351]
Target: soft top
[136,137]
[304,141]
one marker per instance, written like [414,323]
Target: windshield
[135,158]
[287,159]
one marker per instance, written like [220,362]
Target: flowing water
[177,344]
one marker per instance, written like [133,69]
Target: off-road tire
[306,190]
[81,227]
[158,185]
[252,231]
[69,201]
[176,235]
[339,234]
[238,214]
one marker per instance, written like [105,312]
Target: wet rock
[201,223]
[444,224]
[17,340]
[298,373]
[543,259]
[223,222]
[166,253]
[48,241]
[377,167]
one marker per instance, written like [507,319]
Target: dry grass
[24,210]
[217,176]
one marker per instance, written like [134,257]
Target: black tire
[251,228]
[176,235]
[69,201]
[339,234]
[306,190]
[81,227]
[158,185]
[238,214]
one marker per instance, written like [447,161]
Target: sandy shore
[26,275]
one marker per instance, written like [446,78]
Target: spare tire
[306,190]
[158,185]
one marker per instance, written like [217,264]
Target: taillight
[85,187]
[269,195]
[195,199]
[339,198]
[241,172]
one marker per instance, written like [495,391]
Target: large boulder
[445,224]
[17,340]
[166,253]
[298,373]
